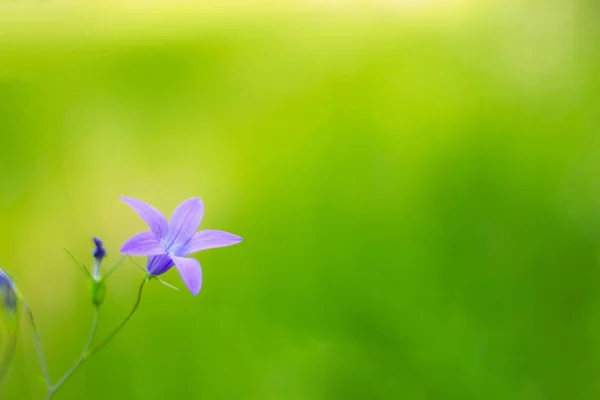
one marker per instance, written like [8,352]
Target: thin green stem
[80,360]
[9,352]
[88,352]
[101,345]
[38,344]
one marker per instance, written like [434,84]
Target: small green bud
[98,292]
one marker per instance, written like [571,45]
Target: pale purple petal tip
[191,273]
[151,216]
[143,244]
[210,239]
[185,221]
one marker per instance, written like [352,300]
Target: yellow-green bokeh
[418,193]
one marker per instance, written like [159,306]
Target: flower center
[172,249]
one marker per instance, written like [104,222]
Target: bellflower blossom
[8,293]
[9,322]
[168,244]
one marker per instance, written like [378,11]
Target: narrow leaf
[84,269]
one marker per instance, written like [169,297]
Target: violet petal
[185,221]
[191,273]
[143,244]
[151,216]
[210,239]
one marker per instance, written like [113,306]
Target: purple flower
[7,289]
[169,243]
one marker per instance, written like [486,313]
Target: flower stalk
[38,344]
[90,350]
[101,345]
[52,389]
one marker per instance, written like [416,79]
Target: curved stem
[89,352]
[38,344]
[79,361]
[101,345]
[9,354]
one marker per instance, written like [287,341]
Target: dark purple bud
[100,251]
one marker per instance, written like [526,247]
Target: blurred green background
[418,187]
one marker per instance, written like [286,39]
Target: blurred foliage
[419,197]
